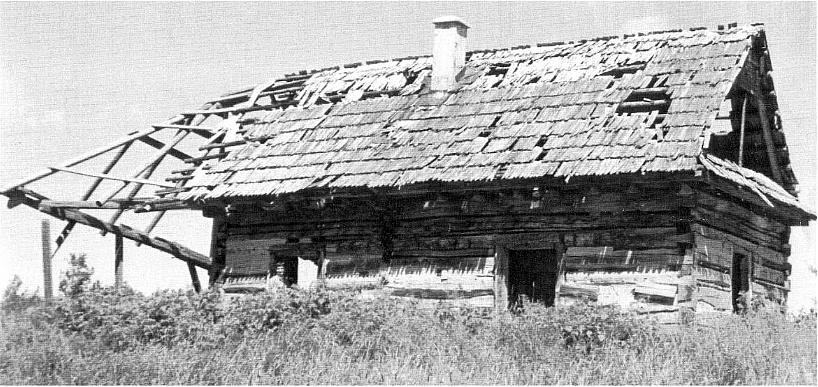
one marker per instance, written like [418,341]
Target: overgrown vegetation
[98,335]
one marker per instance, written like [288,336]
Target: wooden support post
[218,238]
[118,261]
[687,288]
[194,277]
[501,279]
[741,138]
[46,239]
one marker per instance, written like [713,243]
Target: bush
[77,278]
[104,336]
[15,299]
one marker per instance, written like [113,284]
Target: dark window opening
[533,274]
[740,282]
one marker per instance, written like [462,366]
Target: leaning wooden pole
[194,277]
[46,239]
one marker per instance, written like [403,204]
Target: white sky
[76,76]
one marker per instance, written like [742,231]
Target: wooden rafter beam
[66,231]
[200,130]
[159,145]
[239,109]
[761,104]
[86,156]
[109,177]
[147,170]
[222,145]
[194,121]
[34,200]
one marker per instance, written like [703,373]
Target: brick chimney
[449,51]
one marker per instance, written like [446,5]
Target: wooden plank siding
[722,227]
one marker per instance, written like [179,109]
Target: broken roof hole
[645,100]
[498,68]
[618,72]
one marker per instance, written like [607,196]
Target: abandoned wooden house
[647,170]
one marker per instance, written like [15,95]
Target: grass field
[322,337]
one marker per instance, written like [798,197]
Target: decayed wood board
[169,247]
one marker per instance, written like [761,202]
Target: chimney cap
[449,19]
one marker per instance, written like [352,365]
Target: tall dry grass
[101,337]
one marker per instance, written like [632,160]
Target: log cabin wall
[725,230]
[617,244]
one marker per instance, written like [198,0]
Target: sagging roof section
[615,105]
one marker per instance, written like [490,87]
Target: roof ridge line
[285,76]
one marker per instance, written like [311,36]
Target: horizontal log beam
[83,204]
[164,206]
[109,177]
[34,201]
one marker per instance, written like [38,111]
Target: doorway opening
[740,282]
[533,274]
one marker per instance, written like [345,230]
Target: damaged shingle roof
[615,105]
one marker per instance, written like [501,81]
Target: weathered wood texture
[724,227]
[444,247]
[645,292]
